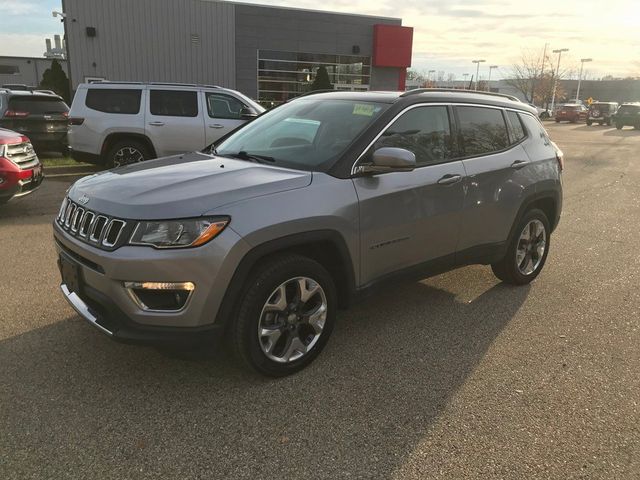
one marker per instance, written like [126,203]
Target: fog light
[160,296]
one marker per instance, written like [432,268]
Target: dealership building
[268,53]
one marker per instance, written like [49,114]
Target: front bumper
[104,301]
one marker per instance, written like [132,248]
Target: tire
[134,151]
[589,122]
[262,307]
[619,126]
[608,122]
[557,121]
[507,269]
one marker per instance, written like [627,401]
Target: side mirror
[390,159]
[247,114]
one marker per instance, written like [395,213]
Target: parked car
[571,112]
[116,123]
[308,207]
[20,168]
[601,112]
[39,114]
[628,115]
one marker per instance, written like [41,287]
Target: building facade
[25,70]
[269,53]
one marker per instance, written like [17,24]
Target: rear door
[223,113]
[174,121]
[498,176]
[409,218]
[42,118]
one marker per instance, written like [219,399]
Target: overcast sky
[448,34]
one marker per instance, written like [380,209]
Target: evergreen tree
[321,82]
[55,79]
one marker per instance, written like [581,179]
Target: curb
[57,170]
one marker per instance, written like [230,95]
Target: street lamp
[491,67]
[555,80]
[582,60]
[477,62]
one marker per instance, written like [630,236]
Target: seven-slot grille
[22,154]
[92,227]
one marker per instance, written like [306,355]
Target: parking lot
[457,376]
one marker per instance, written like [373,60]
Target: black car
[601,112]
[628,115]
[40,115]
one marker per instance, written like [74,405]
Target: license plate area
[71,273]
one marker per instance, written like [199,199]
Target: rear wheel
[127,152]
[619,125]
[557,120]
[286,315]
[527,252]
[589,122]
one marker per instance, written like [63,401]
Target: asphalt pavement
[454,377]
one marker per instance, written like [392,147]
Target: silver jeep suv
[259,239]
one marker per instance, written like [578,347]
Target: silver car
[316,203]
[119,123]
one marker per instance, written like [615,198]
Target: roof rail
[112,82]
[417,91]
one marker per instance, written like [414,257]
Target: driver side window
[425,131]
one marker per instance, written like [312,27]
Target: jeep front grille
[91,227]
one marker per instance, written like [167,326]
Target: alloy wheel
[292,320]
[531,247]
[127,156]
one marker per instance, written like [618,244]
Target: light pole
[491,67]
[430,81]
[555,80]
[582,60]
[477,62]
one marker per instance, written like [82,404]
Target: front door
[223,114]
[409,218]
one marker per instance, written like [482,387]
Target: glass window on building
[285,75]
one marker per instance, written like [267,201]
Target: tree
[321,82]
[55,79]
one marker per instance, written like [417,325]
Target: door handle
[216,125]
[518,164]
[449,179]
[156,124]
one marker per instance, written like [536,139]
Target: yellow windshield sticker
[363,109]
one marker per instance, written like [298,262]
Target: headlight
[190,232]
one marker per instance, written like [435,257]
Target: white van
[118,123]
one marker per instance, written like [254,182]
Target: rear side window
[174,103]
[37,105]
[107,100]
[535,128]
[224,106]
[517,130]
[425,131]
[482,130]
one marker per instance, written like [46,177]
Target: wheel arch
[548,201]
[327,247]
[114,137]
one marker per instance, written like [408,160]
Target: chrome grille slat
[21,153]
[89,226]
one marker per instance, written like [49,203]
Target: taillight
[76,120]
[16,113]
[65,114]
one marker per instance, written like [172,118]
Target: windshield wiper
[243,155]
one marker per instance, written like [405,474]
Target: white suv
[118,123]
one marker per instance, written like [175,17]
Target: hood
[181,186]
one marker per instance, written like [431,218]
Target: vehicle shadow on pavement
[73,400]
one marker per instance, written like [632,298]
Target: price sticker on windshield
[364,109]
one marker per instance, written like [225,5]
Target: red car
[572,113]
[20,168]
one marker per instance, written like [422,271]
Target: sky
[448,34]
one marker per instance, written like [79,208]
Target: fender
[343,273]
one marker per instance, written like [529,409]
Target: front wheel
[286,315]
[527,252]
[619,126]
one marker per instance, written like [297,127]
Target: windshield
[306,134]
